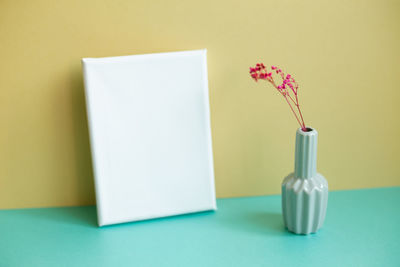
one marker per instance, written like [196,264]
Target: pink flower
[259,72]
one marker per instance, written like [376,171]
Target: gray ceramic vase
[305,192]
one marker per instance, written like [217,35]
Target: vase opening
[308,129]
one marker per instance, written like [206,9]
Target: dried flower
[260,72]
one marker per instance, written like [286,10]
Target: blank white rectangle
[149,123]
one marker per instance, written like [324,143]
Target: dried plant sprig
[288,88]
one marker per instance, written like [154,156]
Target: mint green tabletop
[362,228]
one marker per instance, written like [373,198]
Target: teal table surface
[361,229]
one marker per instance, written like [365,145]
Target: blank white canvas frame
[150,133]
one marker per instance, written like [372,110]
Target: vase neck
[306,154]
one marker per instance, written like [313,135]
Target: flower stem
[301,116]
[294,102]
[294,113]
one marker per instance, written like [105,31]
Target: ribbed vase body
[305,192]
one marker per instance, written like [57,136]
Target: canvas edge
[85,62]
[128,57]
[208,129]
[155,217]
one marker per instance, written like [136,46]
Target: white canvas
[150,133]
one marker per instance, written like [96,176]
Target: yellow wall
[345,55]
